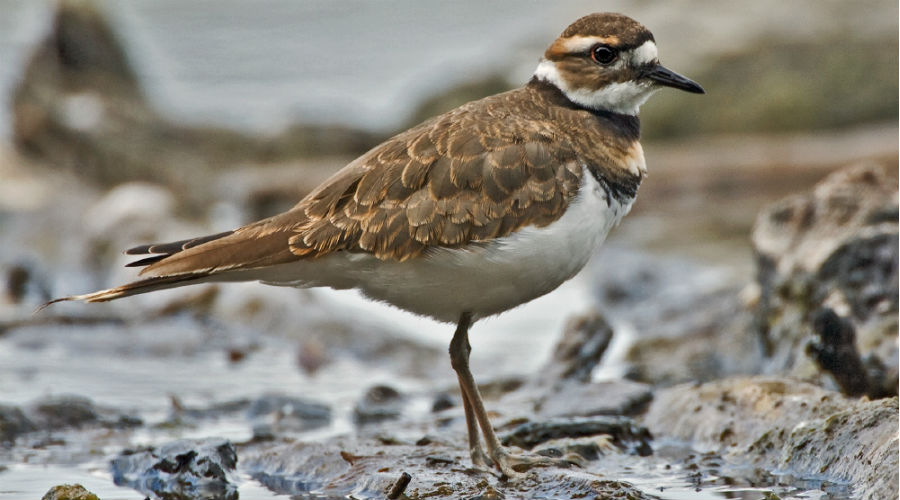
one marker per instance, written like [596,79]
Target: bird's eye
[603,54]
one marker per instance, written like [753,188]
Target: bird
[466,215]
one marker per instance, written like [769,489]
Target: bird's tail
[129,289]
[226,256]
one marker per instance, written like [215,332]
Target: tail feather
[163,250]
[146,261]
[221,256]
[129,289]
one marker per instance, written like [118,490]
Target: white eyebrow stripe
[645,54]
[584,43]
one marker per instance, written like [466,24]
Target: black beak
[664,76]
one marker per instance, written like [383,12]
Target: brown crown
[629,32]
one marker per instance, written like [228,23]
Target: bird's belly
[485,278]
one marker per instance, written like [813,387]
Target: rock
[786,425]
[215,410]
[622,431]
[442,401]
[74,86]
[730,412]
[69,492]
[180,470]
[80,106]
[857,444]
[59,413]
[272,404]
[273,413]
[556,483]
[620,397]
[835,247]
[380,403]
[64,411]
[371,470]
[683,319]
[577,451]
[713,344]
[562,388]
[15,283]
[834,350]
[269,414]
[13,423]
[581,348]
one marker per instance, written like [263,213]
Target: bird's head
[608,62]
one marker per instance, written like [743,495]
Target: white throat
[620,97]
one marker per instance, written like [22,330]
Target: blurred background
[139,121]
[229,86]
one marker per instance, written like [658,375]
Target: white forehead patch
[644,54]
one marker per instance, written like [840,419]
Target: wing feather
[482,171]
[456,179]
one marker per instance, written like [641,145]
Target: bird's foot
[480,459]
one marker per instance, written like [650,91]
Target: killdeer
[466,215]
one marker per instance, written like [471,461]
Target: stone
[80,107]
[364,468]
[69,492]
[581,348]
[180,470]
[380,403]
[442,401]
[681,319]
[622,432]
[835,247]
[779,423]
[290,407]
[64,411]
[13,423]
[617,397]
[834,350]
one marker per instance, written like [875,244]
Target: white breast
[485,279]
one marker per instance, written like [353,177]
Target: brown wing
[479,172]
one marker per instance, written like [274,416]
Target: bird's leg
[479,457]
[474,407]
[459,356]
